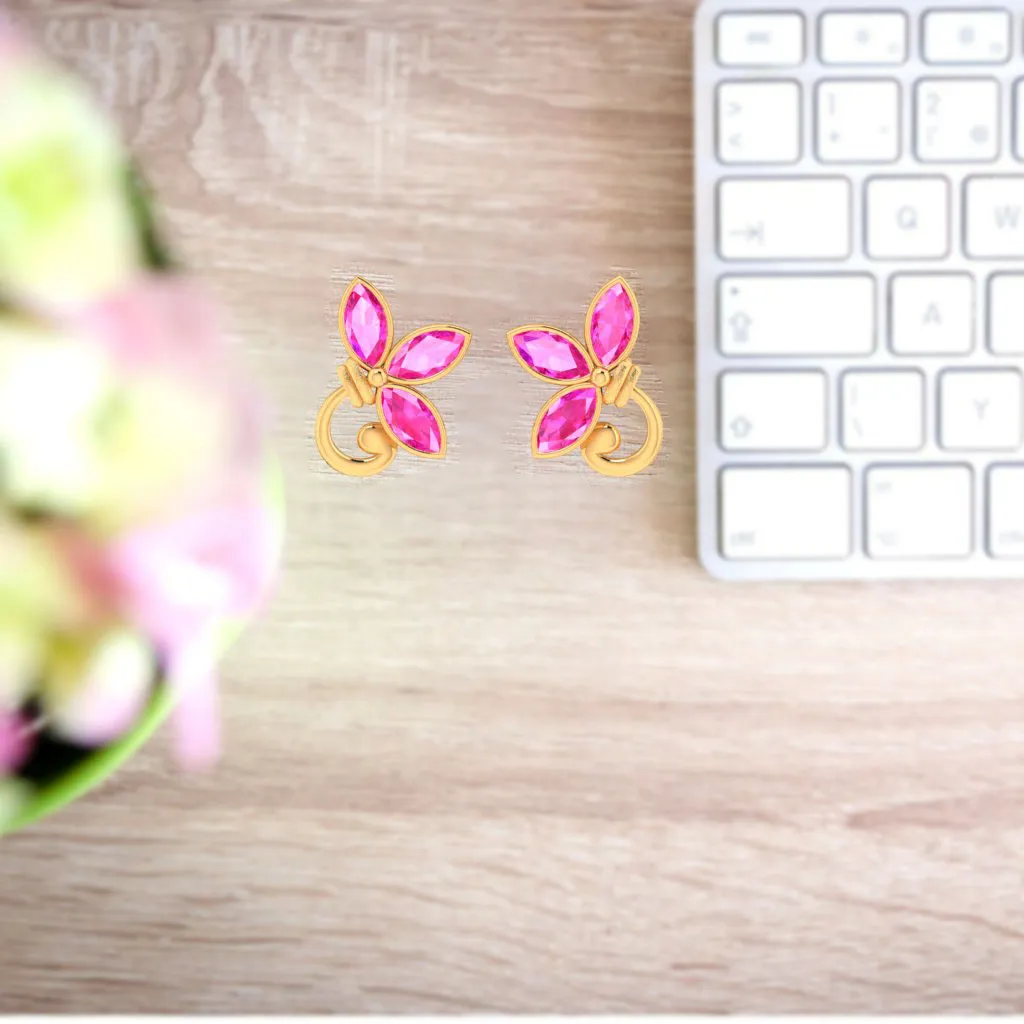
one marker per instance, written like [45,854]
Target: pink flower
[190,438]
[185,412]
[182,581]
[168,324]
[15,743]
[12,42]
[164,320]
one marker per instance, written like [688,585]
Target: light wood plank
[500,744]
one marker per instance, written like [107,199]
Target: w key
[995,218]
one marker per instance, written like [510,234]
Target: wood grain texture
[499,743]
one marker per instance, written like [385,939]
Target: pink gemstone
[552,355]
[366,325]
[411,420]
[426,355]
[566,420]
[611,324]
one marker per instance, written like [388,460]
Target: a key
[858,122]
[759,122]
[883,410]
[784,218]
[855,38]
[773,412]
[907,218]
[785,512]
[796,316]
[919,512]
[932,314]
[994,217]
[981,410]
[760,40]
[956,120]
[1006,314]
[967,37]
[1006,512]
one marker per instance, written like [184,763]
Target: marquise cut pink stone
[552,355]
[366,325]
[411,420]
[611,324]
[426,355]
[567,420]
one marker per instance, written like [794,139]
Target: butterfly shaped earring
[593,376]
[377,373]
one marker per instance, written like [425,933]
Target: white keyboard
[860,289]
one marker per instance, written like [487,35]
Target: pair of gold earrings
[590,377]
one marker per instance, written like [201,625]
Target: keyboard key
[1006,314]
[994,217]
[967,37]
[1006,512]
[883,410]
[981,410]
[1017,130]
[797,316]
[773,412]
[932,314]
[760,40]
[759,122]
[957,120]
[771,513]
[784,218]
[853,38]
[907,218]
[919,512]
[858,122]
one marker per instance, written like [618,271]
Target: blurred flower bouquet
[137,524]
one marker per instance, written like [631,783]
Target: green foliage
[157,255]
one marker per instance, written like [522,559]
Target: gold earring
[377,373]
[591,377]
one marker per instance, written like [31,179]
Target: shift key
[784,219]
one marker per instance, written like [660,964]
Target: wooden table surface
[499,743]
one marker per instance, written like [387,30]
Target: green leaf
[157,255]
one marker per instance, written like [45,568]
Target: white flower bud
[96,688]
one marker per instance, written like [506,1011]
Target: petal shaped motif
[427,354]
[550,354]
[411,420]
[612,323]
[566,420]
[366,323]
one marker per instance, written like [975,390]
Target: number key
[858,122]
[957,120]
[967,37]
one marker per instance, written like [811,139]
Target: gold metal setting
[364,385]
